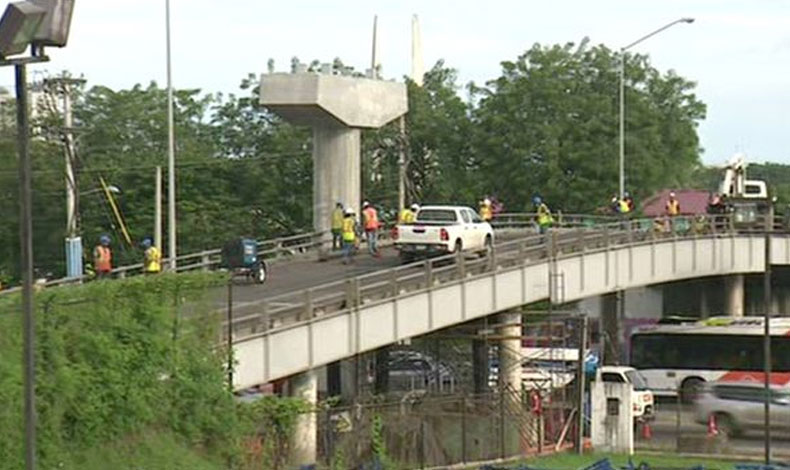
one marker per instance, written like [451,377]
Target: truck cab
[642,397]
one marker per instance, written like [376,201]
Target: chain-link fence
[422,431]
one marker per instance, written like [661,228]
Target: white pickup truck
[440,230]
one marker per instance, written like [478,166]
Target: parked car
[740,406]
[642,398]
[440,230]
[413,370]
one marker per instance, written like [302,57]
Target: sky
[737,51]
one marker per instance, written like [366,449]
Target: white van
[642,398]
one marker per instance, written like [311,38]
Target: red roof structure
[692,202]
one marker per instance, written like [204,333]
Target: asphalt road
[693,436]
[305,271]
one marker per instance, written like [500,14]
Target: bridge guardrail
[293,244]
[337,296]
[272,249]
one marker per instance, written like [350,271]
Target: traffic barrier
[713,429]
[647,431]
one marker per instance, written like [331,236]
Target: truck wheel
[260,274]
[690,388]
[727,425]
[488,247]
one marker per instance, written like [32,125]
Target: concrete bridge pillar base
[305,439]
[336,176]
[734,292]
[510,334]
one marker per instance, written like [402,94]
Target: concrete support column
[510,333]
[704,307]
[382,373]
[480,365]
[334,387]
[734,293]
[305,438]
[336,175]
[612,329]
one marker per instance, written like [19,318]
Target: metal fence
[422,431]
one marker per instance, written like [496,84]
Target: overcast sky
[738,51]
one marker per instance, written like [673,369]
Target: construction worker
[102,257]
[371,226]
[486,210]
[543,214]
[409,214]
[337,227]
[672,210]
[673,206]
[152,258]
[629,200]
[349,235]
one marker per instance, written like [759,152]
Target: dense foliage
[547,125]
[115,363]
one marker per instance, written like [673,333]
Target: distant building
[692,202]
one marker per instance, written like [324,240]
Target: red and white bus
[685,356]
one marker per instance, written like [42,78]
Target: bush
[116,359]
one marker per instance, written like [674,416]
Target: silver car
[740,406]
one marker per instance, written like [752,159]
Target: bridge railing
[271,250]
[339,295]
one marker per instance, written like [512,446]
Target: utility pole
[64,85]
[158,210]
[171,158]
[402,166]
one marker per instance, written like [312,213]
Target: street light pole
[622,94]
[26,242]
[171,159]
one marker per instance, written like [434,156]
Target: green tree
[548,126]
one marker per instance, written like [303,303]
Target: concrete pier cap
[336,107]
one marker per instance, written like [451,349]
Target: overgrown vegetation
[121,362]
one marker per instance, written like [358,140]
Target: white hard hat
[349,211]
[365,204]
[415,207]
[487,201]
[672,194]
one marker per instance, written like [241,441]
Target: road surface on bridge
[306,272]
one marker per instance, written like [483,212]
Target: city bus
[684,356]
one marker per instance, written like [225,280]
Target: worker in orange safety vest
[371,224]
[102,258]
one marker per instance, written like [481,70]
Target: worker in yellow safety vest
[152,258]
[337,227]
[409,214]
[543,214]
[486,210]
[673,206]
[349,234]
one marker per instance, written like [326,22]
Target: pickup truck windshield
[436,215]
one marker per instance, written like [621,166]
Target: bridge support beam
[510,334]
[734,293]
[305,438]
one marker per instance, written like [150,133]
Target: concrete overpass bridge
[297,331]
